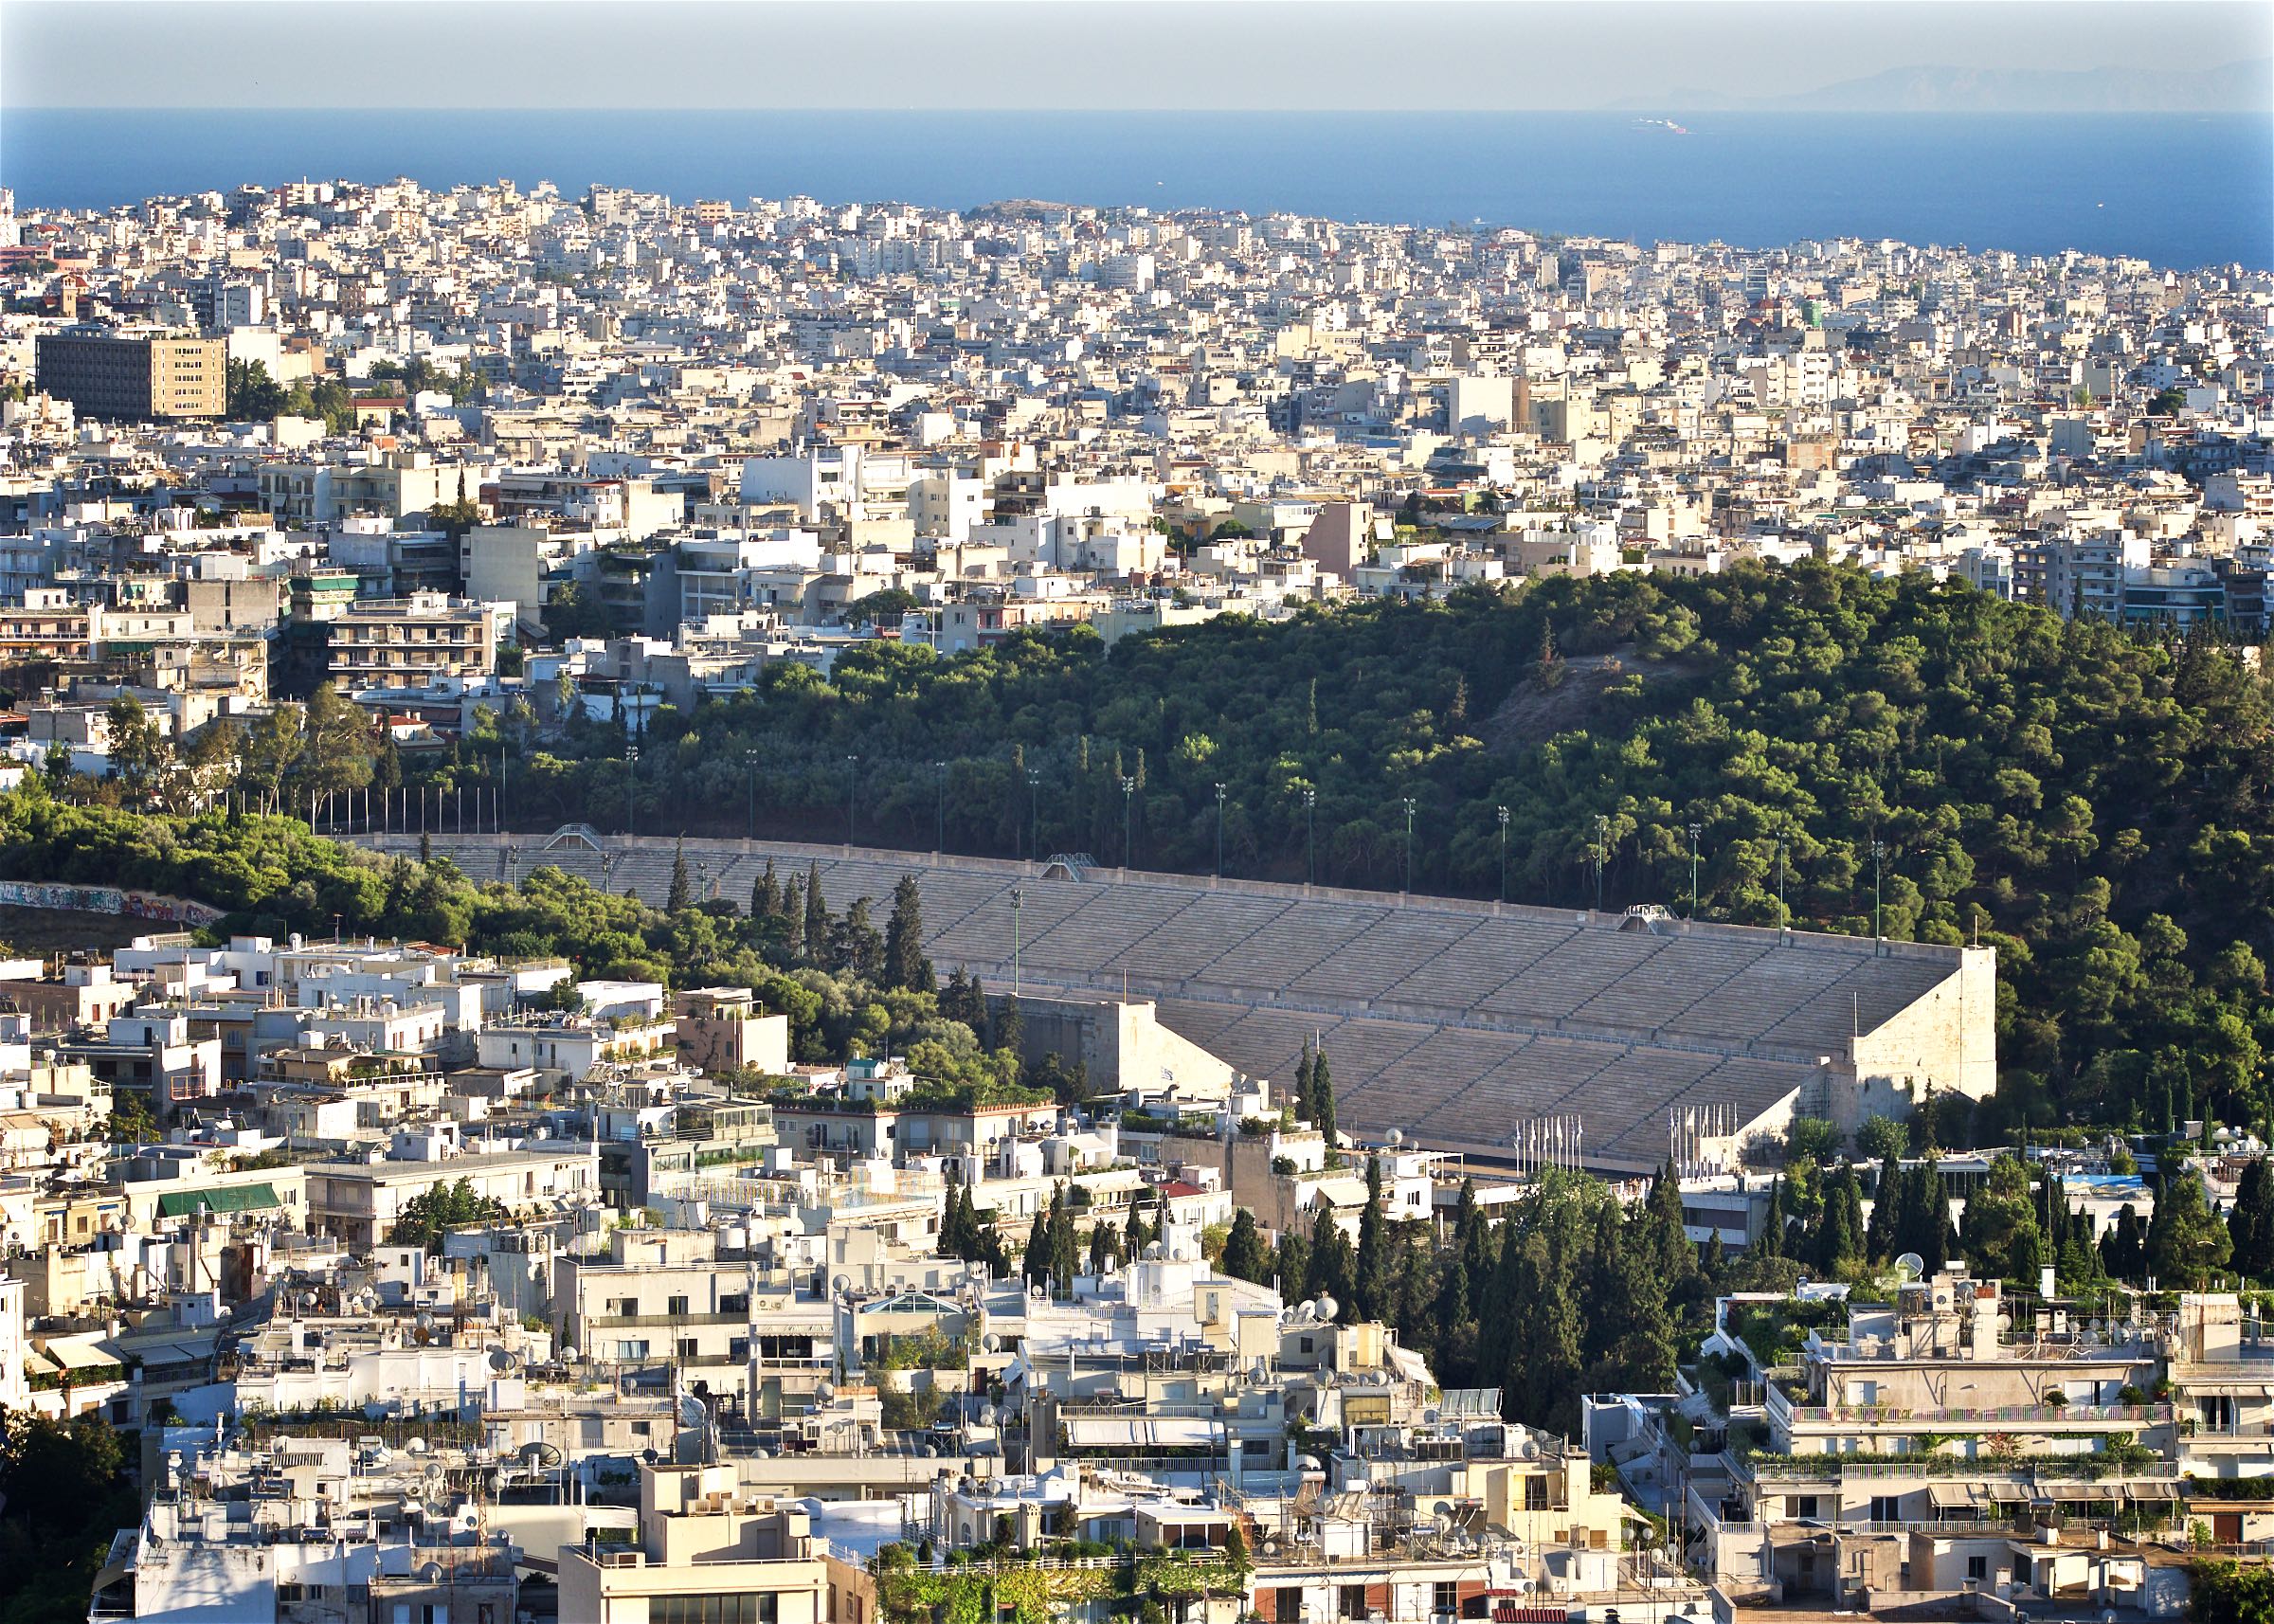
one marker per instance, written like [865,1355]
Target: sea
[2182,191]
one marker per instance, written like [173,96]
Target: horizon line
[1027,111]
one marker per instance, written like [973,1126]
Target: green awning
[231,1199]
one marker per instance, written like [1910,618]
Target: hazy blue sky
[1316,55]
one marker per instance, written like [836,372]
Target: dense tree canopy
[2094,803]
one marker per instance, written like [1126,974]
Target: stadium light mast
[1310,837]
[1033,813]
[631,787]
[852,784]
[1502,812]
[1780,882]
[1694,832]
[1409,845]
[749,759]
[1017,897]
[939,827]
[1603,855]
[1128,801]
[1219,831]
[1879,852]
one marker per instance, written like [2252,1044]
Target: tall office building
[146,376]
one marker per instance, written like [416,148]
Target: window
[1289,1608]
[1977,1567]
[725,1609]
[1353,1601]
[1535,1494]
[1446,1598]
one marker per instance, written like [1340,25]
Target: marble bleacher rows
[1606,1019]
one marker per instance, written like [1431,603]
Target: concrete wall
[1123,1044]
[1945,1041]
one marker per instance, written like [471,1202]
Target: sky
[1307,55]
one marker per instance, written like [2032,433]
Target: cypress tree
[1373,1272]
[2252,1223]
[1036,1264]
[765,903]
[905,966]
[1244,1255]
[1322,1095]
[680,898]
[1772,1224]
[1332,1266]
[1063,1253]
[793,918]
[818,924]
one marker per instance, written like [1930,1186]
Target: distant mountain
[2237,87]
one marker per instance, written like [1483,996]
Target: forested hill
[2096,803]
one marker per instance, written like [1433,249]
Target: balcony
[1934,1418]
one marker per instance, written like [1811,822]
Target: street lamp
[1501,814]
[1128,801]
[1409,845]
[1219,831]
[939,831]
[1017,897]
[1310,837]
[1694,833]
[852,783]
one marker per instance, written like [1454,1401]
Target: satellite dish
[991,1343]
[1327,1308]
[538,1452]
[500,1360]
[1396,1137]
[843,1283]
[824,1394]
[1911,1266]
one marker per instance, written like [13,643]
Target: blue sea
[2181,190]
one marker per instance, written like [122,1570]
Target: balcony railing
[1933,1419]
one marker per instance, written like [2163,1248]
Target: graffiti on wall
[105,899]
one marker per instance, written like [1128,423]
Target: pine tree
[680,898]
[905,966]
[1244,1255]
[819,931]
